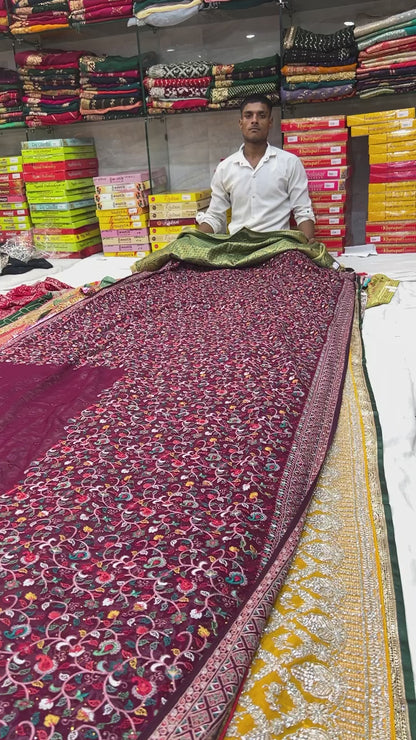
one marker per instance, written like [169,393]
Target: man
[262,184]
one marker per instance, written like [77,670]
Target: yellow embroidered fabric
[329,664]
[380,289]
[320,77]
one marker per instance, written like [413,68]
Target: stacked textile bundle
[231,83]
[178,87]
[4,19]
[321,144]
[122,210]
[33,16]
[387,55]
[95,11]
[171,212]
[50,80]
[197,85]
[14,209]
[11,107]
[391,221]
[110,87]
[318,66]
[165,12]
[58,175]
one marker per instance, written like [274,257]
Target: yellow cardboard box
[184,197]
[358,119]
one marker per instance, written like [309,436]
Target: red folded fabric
[23,294]
[52,119]
[178,104]
[48,58]
[397,45]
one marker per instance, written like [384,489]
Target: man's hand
[205,228]
[308,229]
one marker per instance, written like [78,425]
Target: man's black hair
[256,98]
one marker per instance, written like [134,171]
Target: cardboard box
[169,230]
[388,126]
[184,197]
[339,161]
[330,136]
[318,123]
[327,173]
[49,143]
[327,185]
[318,149]
[377,227]
[359,119]
[127,254]
[328,197]
[391,157]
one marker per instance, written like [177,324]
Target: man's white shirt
[262,198]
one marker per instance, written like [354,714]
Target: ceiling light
[250,36]
[349,23]
[170,49]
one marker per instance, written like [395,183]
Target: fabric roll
[249,65]
[183,69]
[235,103]
[343,55]
[337,92]
[393,33]
[186,91]
[166,82]
[220,83]
[392,20]
[300,38]
[300,69]
[219,94]
[321,78]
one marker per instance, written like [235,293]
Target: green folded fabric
[243,249]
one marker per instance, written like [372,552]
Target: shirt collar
[270,152]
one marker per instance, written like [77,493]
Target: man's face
[255,123]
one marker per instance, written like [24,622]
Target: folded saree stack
[58,175]
[231,83]
[95,11]
[318,66]
[15,220]
[50,80]
[165,12]
[4,18]
[387,55]
[197,85]
[321,144]
[180,87]
[34,16]
[391,217]
[110,87]
[11,107]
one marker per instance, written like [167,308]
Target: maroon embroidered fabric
[36,402]
[143,551]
